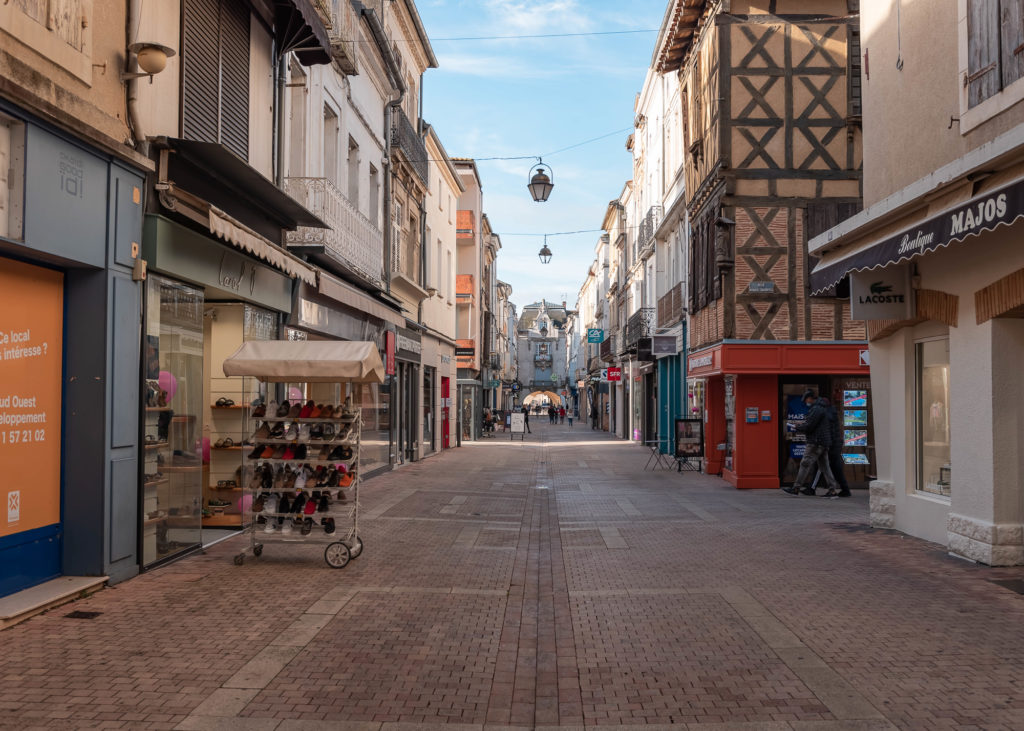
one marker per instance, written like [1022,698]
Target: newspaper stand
[273,481]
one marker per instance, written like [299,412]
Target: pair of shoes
[791,491]
[831,495]
[223,443]
[224,402]
[809,491]
[845,493]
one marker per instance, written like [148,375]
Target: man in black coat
[819,438]
[835,451]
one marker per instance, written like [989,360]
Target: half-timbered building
[770,91]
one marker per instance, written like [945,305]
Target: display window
[932,416]
[173,468]
[429,398]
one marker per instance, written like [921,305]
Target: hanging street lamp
[545,252]
[541,182]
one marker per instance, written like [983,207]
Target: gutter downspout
[278,148]
[141,144]
[395,77]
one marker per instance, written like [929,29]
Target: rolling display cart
[302,475]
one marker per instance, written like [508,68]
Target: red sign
[614,374]
[389,351]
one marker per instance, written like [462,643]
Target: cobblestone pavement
[550,582]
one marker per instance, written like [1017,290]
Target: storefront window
[933,453]
[429,444]
[173,398]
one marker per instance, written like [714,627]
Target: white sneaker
[304,432]
[270,504]
[300,481]
[270,526]
[286,529]
[293,432]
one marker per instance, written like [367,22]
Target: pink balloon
[168,383]
[294,394]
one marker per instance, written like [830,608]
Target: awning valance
[307,361]
[227,228]
[982,213]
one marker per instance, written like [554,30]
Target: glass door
[173,471]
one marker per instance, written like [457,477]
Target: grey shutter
[1012,41]
[201,71]
[982,50]
[234,77]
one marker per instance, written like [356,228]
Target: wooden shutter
[1012,42]
[234,73]
[982,50]
[853,66]
[201,70]
[694,269]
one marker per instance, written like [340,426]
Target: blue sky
[534,96]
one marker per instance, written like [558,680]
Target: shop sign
[664,345]
[689,438]
[614,374]
[882,294]
[409,344]
[702,361]
[865,357]
[31,364]
[389,352]
[236,273]
[465,352]
[446,360]
[595,335]
[752,414]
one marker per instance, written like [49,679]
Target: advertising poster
[796,412]
[31,327]
[689,438]
[855,399]
[855,417]
[855,459]
[518,422]
[855,438]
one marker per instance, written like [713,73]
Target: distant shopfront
[748,395]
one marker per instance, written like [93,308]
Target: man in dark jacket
[819,438]
[835,452]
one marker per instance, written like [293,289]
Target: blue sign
[595,335]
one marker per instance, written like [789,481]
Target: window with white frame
[932,376]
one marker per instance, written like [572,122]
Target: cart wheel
[337,555]
[257,550]
[356,549]
[239,559]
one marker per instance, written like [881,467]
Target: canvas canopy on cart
[318,361]
[299,462]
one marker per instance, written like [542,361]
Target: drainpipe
[395,77]
[278,134]
[141,144]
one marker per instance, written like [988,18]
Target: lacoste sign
[883,294]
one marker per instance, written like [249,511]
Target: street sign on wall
[595,335]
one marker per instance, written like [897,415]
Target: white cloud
[537,16]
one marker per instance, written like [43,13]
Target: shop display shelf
[226,520]
[153,409]
[180,468]
[310,443]
[226,408]
[156,445]
[314,462]
[237,448]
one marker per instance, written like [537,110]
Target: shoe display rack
[301,478]
[224,478]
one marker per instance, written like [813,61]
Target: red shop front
[746,393]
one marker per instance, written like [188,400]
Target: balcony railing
[408,142]
[352,238]
[340,19]
[641,324]
[670,306]
[645,234]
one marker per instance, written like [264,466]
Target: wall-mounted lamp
[151,58]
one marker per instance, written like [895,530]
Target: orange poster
[31,334]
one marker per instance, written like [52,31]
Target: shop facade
[70,227]
[408,395]
[671,386]
[946,352]
[749,396]
[202,300]
[439,377]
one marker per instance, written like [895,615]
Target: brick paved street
[551,582]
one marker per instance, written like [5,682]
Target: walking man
[818,429]
[526,418]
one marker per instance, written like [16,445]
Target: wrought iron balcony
[670,306]
[352,238]
[609,347]
[405,139]
[645,234]
[641,324]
